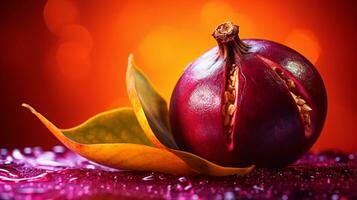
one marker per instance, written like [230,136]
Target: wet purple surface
[32,173]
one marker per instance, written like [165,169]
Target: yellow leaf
[115,139]
[152,113]
[135,139]
[150,108]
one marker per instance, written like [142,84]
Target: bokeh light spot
[73,61]
[167,51]
[76,33]
[216,12]
[305,43]
[58,13]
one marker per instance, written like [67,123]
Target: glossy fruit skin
[268,130]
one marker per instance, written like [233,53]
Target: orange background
[68,58]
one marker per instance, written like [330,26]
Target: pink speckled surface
[32,173]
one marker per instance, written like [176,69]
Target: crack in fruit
[230,96]
[303,107]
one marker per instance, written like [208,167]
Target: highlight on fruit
[243,103]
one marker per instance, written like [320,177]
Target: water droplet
[73,179]
[334,197]
[27,150]
[30,190]
[229,196]
[149,188]
[80,193]
[219,197]
[90,166]
[86,189]
[148,178]
[338,159]
[3,152]
[48,155]
[7,187]
[59,149]
[203,182]
[322,158]
[182,179]
[9,172]
[285,197]
[17,154]
[37,151]
[351,156]
[188,187]
[169,187]
[48,161]
[213,190]
[179,187]
[162,177]
[255,187]
[41,177]
[195,197]
[6,162]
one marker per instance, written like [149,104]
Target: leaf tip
[28,107]
[130,63]
[131,57]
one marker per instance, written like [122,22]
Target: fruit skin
[268,130]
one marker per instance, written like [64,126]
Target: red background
[68,58]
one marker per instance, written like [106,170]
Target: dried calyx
[228,40]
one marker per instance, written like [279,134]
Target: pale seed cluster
[304,109]
[230,94]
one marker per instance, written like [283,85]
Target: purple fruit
[248,102]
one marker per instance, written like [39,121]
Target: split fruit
[248,102]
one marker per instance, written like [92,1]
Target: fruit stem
[226,35]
